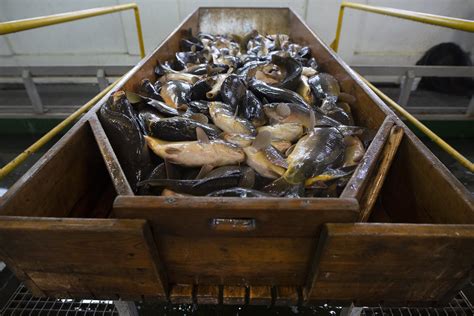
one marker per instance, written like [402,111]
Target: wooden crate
[71,225]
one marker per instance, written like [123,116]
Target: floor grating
[22,302]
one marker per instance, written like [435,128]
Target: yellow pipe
[439,20]
[28,24]
[435,138]
[49,135]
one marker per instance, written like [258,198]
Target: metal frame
[102,74]
[32,23]
[438,20]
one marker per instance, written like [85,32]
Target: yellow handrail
[28,24]
[439,20]
[9,167]
[435,138]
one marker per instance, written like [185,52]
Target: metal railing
[453,23]
[33,23]
[28,24]
[438,20]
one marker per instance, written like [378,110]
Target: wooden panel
[207,294]
[181,294]
[233,295]
[429,192]
[278,251]
[122,187]
[67,180]
[260,295]
[82,256]
[286,296]
[191,216]
[393,263]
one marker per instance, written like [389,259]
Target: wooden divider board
[84,257]
[373,263]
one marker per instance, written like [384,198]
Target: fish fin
[172,150]
[236,111]
[346,130]
[283,110]
[182,107]
[202,136]
[199,117]
[290,150]
[205,169]
[281,187]
[133,97]
[170,170]
[275,157]
[312,119]
[262,140]
[248,179]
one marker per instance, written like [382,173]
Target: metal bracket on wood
[32,91]
[102,80]
[126,308]
[405,88]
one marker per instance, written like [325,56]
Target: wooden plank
[429,194]
[386,157]
[122,187]
[371,263]
[286,296]
[181,294]
[95,257]
[233,295]
[260,295]
[273,216]
[363,174]
[59,180]
[207,294]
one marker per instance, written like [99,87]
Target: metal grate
[459,306]
[23,303]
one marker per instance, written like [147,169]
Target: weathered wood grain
[233,295]
[207,294]
[371,263]
[181,294]
[260,295]
[107,257]
[286,296]
[383,166]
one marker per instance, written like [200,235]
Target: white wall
[111,39]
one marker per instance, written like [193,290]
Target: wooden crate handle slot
[233,224]
[385,161]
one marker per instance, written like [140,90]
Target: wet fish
[225,119]
[178,129]
[354,151]
[288,131]
[123,131]
[233,91]
[297,113]
[325,86]
[197,153]
[252,109]
[162,107]
[175,93]
[240,192]
[292,70]
[275,94]
[314,153]
[263,158]
[217,179]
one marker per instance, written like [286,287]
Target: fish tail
[281,187]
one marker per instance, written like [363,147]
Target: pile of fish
[247,116]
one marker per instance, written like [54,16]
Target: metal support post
[470,107]
[33,94]
[101,79]
[405,88]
